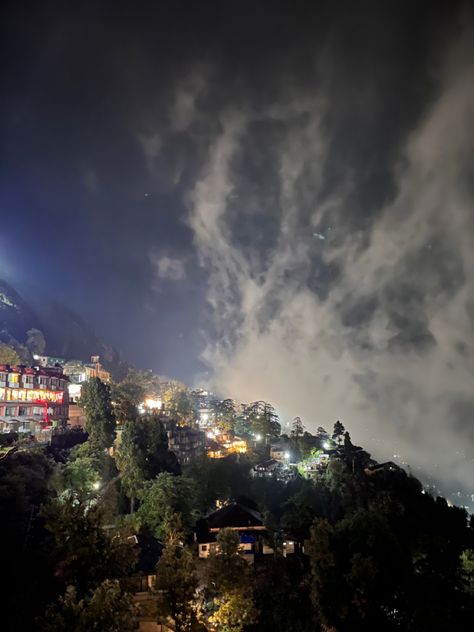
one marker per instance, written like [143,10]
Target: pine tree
[338,432]
[177,580]
[100,419]
[297,429]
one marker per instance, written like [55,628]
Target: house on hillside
[388,466]
[280,452]
[275,469]
[248,523]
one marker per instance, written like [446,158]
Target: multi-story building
[78,373]
[32,398]
[187,443]
[95,369]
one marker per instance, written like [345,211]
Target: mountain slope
[65,332]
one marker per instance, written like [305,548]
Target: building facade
[78,373]
[95,369]
[32,398]
[187,443]
[246,522]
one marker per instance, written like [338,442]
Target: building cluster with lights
[222,444]
[32,398]
[187,443]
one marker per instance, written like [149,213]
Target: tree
[182,406]
[213,479]
[322,434]
[286,605]
[85,554]
[108,609]
[348,446]
[262,419]
[227,568]
[324,572]
[143,454]
[167,496]
[91,474]
[146,381]
[35,342]
[25,484]
[338,432]
[297,439]
[100,420]
[225,415]
[126,398]
[178,401]
[297,429]
[234,610]
[8,355]
[467,571]
[176,578]
[229,585]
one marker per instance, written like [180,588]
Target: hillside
[65,332]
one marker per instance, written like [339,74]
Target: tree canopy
[177,580]
[100,419]
[143,453]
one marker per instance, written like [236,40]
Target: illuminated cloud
[372,324]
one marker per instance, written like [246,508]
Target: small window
[203,547]
[10,411]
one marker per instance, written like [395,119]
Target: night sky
[272,199]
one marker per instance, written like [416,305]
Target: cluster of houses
[34,401]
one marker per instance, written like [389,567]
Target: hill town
[144,503]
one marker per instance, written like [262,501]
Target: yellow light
[153,403]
